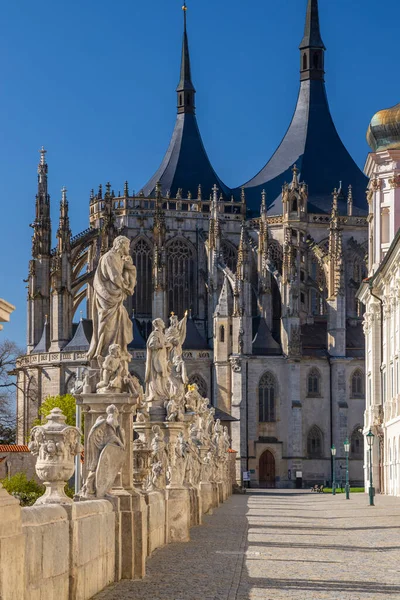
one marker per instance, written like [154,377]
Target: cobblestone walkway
[280,545]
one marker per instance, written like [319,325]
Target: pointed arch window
[267,393]
[357,443]
[275,254]
[229,254]
[314,384]
[357,384]
[315,443]
[222,334]
[201,384]
[180,276]
[304,62]
[142,297]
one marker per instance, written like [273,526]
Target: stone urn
[56,445]
[141,463]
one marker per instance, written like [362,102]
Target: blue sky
[95,83]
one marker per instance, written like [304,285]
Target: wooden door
[266,470]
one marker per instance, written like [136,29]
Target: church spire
[41,241]
[312,47]
[185,90]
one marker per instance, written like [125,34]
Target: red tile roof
[13,448]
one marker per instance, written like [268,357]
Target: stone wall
[70,552]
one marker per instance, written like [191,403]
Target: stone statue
[114,281]
[193,398]
[154,476]
[226,439]
[176,335]
[157,368]
[56,445]
[112,368]
[105,454]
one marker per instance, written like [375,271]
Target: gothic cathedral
[268,271]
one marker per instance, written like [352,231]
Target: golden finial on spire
[184,7]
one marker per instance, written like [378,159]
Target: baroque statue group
[162,437]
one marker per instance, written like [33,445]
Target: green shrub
[26,490]
[66,403]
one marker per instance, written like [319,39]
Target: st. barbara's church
[269,272]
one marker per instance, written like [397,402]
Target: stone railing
[173,473]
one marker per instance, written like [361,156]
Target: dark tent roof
[264,343]
[44,343]
[314,338]
[138,342]
[82,336]
[194,340]
[355,340]
[313,144]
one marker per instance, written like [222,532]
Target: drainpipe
[247,416]
[331,410]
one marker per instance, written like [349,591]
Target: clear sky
[94,82]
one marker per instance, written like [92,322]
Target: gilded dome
[384,130]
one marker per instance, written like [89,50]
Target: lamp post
[347,450]
[333,452]
[370,440]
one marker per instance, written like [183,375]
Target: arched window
[314,383]
[222,333]
[275,254]
[229,254]
[180,277]
[357,384]
[294,205]
[304,62]
[142,297]
[201,384]
[267,392]
[357,443]
[315,443]
[180,99]
[316,60]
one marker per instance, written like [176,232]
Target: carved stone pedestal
[129,504]
[178,514]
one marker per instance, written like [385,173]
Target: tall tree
[9,351]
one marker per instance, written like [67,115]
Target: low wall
[71,552]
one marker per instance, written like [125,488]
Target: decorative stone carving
[236,364]
[105,454]
[141,463]
[114,281]
[394,181]
[56,445]
[294,348]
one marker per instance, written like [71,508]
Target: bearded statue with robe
[157,366]
[114,281]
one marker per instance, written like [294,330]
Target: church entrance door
[266,470]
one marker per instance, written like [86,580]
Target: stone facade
[380,294]
[275,331]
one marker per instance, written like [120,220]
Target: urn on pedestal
[56,445]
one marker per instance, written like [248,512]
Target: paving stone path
[280,544]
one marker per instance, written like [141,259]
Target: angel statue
[105,454]
[176,335]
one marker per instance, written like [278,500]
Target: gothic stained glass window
[357,384]
[267,398]
[201,384]
[229,254]
[314,442]
[314,383]
[357,443]
[180,277]
[142,259]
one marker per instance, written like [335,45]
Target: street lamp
[370,440]
[347,450]
[333,452]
